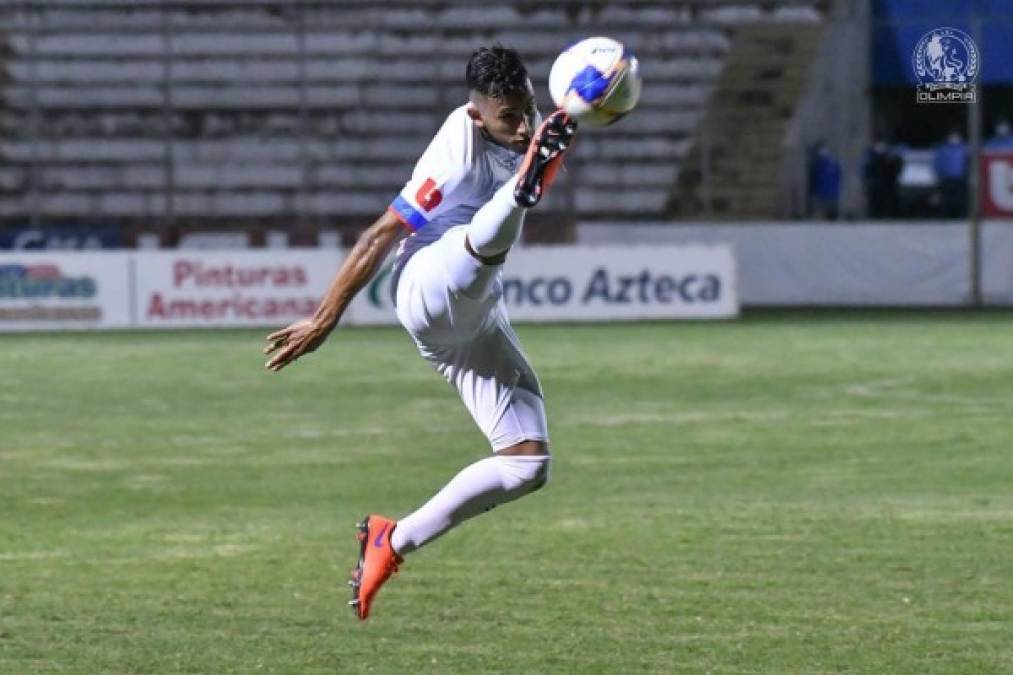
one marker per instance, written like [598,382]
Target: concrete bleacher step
[216,96]
[342,42]
[111,69]
[73,139]
[214,151]
[400,16]
[646,174]
[592,202]
[589,200]
[252,96]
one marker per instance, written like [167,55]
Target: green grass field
[788,493]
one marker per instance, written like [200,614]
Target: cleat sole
[362,535]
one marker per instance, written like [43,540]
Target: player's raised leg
[497,226]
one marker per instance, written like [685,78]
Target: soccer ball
[596,81]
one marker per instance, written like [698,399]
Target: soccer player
[463,209]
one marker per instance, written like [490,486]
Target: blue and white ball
[597,81]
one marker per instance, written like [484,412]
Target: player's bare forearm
[359,267]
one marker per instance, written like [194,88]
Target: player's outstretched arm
[363,261]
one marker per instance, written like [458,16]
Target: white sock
[493,230]
[497,225]
[477,488]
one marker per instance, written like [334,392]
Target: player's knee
[539,481]
[524,473]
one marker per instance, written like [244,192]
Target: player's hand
[301,337]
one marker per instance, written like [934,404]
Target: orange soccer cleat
[377,561]
[544,158]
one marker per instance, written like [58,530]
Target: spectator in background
[951,164]
[1003,139]
[881,169]
[824,183]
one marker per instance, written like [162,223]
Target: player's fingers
[274,346]
[279,334]
[286,356]
[274,361]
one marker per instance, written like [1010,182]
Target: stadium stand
[224,113]
[758,90]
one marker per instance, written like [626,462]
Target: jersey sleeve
[437,183]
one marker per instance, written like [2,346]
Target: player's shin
[476,489]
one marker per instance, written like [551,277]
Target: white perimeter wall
[673,271]
[59,290]
[846,263]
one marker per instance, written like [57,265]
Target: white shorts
[452,306]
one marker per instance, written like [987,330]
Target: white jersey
[457,174]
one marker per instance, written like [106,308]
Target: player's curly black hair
[496,71]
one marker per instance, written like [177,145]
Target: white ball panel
[620,82]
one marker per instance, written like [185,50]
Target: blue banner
[71,238]
[898,26]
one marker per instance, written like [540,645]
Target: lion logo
[946,58]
